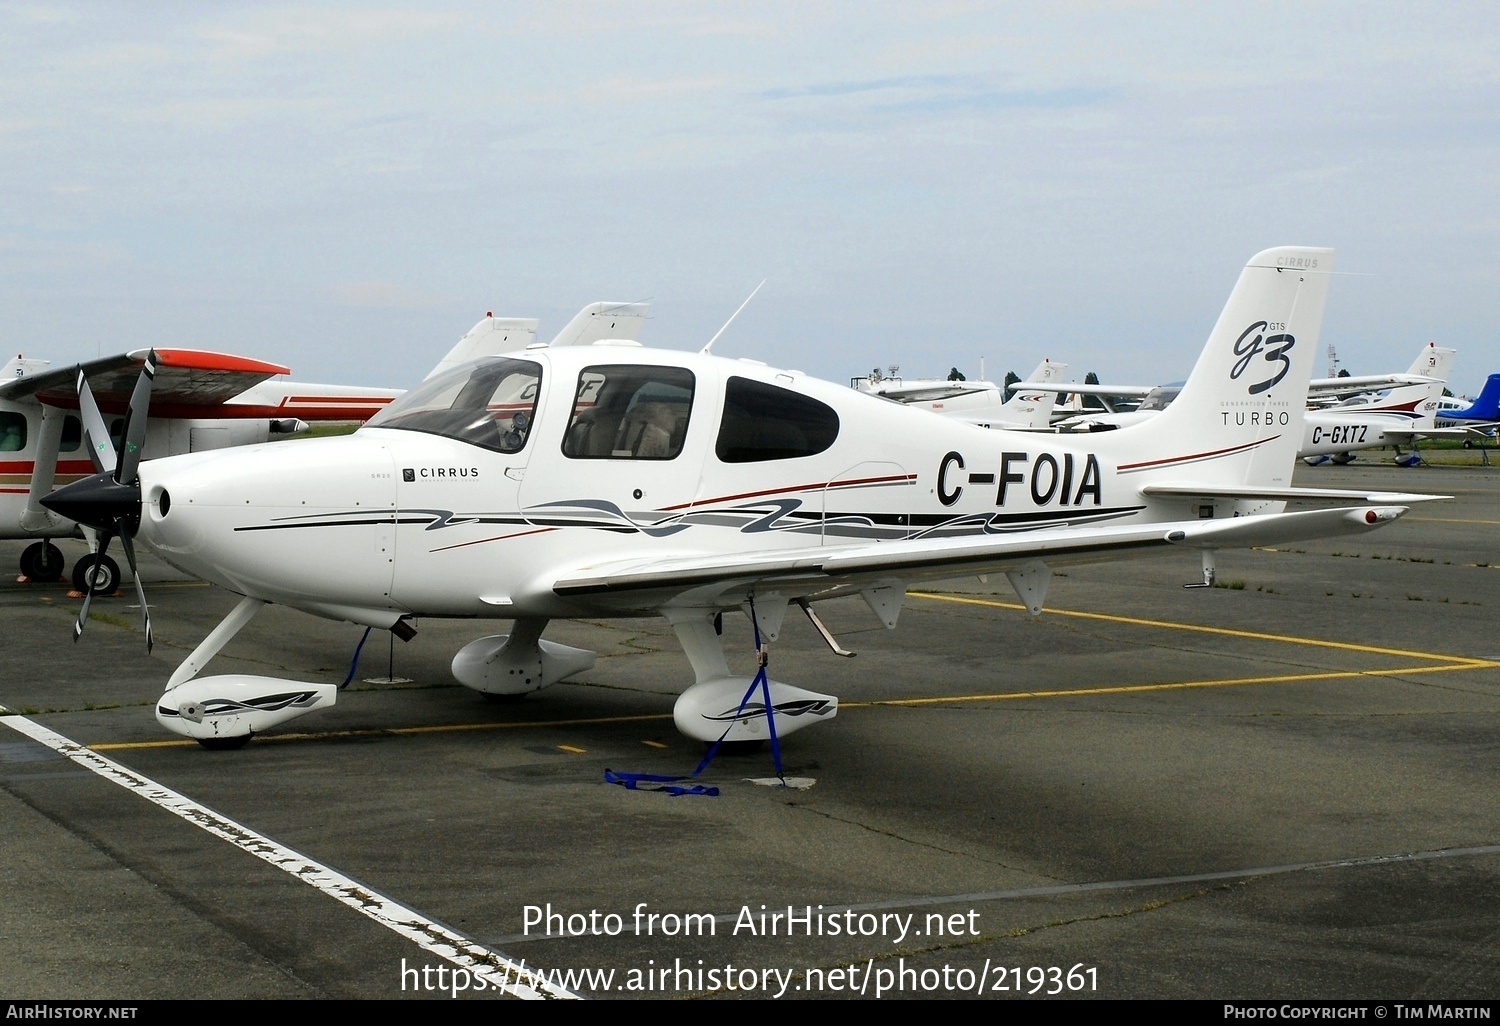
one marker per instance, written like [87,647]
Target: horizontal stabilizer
[1284,527]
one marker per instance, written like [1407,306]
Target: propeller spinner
[110,501]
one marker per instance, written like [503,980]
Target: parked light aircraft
[1479,417]
[613,480]
[978,402]
[1391,417]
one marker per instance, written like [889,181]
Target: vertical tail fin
[1029,409]
[487,338]
[1238,419]
[1487,406]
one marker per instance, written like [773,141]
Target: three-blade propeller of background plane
[110,500]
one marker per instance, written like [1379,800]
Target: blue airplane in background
[1475,423]
[1483,413]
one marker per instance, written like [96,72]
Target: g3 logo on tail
[1273,347]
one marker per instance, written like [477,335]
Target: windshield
[490,403]
[1159,398]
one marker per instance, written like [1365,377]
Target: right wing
[819,572]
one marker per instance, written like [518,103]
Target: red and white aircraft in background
[202,400]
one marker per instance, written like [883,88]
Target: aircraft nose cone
[99,502]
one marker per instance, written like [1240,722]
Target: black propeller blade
[110,501]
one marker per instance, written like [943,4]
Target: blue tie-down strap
[762,684]
[656,782]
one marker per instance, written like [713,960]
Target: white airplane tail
[1030,409]
[489,337]
[1421,400]
[599,321]
[1238,420]
[1433,362]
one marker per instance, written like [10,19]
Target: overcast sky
[347,189]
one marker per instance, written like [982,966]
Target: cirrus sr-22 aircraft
[613,480]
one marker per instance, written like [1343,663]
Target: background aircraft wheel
[43,561]
[224,744]
[502,699]
[106,577]
[1468,444]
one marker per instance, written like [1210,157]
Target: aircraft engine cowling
[237,705]
[704,710]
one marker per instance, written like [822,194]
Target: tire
[497,698]
[224,744]
[43,562]
[106,580]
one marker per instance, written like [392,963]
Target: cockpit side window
[491,403]
[629,411]
[766,422]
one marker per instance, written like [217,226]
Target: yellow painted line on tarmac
[1226,631]
[1132,688]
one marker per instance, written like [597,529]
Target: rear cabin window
[631,412]
[765,422]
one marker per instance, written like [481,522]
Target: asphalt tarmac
[1283,787]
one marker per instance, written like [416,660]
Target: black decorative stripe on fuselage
[780,516]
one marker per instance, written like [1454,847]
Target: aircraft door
[473,431]
[870,501]
[631,453]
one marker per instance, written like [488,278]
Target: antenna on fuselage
[731,319]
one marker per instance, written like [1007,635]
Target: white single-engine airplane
[612,480]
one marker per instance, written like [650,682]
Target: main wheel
[224,744]
[43,561]
[104,578]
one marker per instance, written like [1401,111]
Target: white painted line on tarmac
[499,973]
